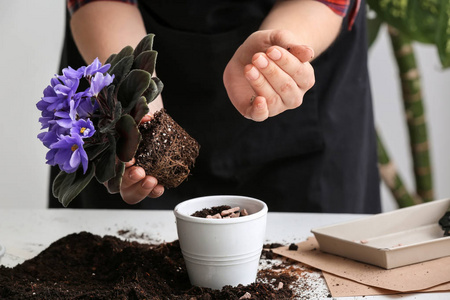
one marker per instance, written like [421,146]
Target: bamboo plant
[424,21]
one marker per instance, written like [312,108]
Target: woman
[298,132]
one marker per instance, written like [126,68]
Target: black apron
[320,157]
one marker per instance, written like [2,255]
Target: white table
[26,232]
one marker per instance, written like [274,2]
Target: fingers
[258,110]
[136,185]
[280,78]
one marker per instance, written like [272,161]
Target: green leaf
[425,21]
[121,69]
[373,27]
[67,186]
[126,51]
[94,150]
[153,90]
[131,88]
[146,61]
[140,110]
[110,58]
[113,185]
[443,35]
[105,163]
[144,45]
[129,138]
[109,124]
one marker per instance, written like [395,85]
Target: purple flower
[46,117]
[86,106]
[72,73]
[68,153]
[52,100]
[52,135]
[48,138]
[67,117]
[68,87]
[83,128]
[98,82]
[96,67]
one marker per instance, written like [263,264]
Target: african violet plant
[93,132]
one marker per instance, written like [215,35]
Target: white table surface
[26,232]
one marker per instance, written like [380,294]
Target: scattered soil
[167,151]
[87,266]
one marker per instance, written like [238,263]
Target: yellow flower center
[74,147]
[82,129]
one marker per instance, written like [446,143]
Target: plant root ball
[166,152]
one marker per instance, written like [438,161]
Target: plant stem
[414,110]
[391,178]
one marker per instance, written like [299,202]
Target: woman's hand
[269,74]
[136,185]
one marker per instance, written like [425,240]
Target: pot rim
[219,200]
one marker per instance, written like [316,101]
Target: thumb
[302,52]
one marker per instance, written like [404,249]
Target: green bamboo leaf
[146,61]
[132,88]
[144,45]
[113,185]
[443,35]
[373,27]
[129,138]
[67,186]
[121,69]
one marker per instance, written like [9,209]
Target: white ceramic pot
[220,252]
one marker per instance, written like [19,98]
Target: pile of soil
[87,266]
[167,152]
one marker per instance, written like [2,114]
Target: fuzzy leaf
[146,61]
[105,163]
[95,150]
[122,68]
[113,185]
[153,90]
[144,45]
[67,186]
[131,89]
[110,58]
[126,51]
[109,124]
[140,110]
[129,138]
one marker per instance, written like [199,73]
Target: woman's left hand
[269,74]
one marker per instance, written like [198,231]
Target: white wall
[31,34]
[31,40]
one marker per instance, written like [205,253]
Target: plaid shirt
[340,7]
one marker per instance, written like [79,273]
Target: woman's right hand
[136,185]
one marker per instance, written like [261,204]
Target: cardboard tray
[389,240]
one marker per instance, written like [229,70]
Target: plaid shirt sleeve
[73,5]
[340,7]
